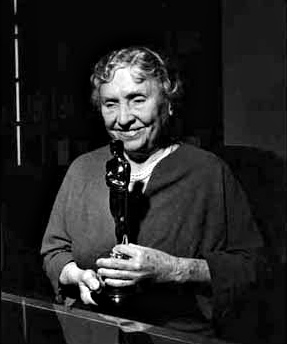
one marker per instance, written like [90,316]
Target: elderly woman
[194,240]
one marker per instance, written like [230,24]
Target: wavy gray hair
[149,65]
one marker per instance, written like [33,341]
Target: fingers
[118,274]
[89,278]
[135,253]
[85,294]
[131,250]
[119,283]
[114,263]
[87,284]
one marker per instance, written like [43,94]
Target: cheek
[150,116]
[108,120]
[156,128]
[156,119]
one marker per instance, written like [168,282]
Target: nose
[125,116]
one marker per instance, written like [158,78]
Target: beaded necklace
[142,173]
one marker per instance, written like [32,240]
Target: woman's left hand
[143,263]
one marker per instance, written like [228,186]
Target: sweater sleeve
[235,266]
[56,244]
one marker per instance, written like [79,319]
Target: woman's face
[134,112]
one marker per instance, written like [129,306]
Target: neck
[141,159]
[139,167]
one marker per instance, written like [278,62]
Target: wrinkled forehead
[127,80]
[139,76]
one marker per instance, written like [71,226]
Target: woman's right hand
[86,280]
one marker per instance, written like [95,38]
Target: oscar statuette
[117,179]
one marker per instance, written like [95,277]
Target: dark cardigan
[192,207]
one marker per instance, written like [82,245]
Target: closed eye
[110,104]
[138,100]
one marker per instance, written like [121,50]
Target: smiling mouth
[129,134]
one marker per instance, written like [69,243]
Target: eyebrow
[108,99]
[135,94]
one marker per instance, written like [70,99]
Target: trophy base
[113,297]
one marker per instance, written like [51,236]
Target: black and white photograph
[143,172]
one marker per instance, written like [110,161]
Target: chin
[133,145]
